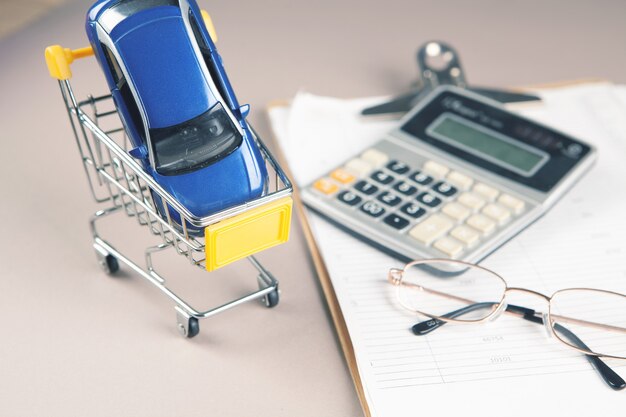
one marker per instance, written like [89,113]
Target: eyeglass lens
[446,288]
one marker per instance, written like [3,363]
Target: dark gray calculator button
[373,209]
[396,221]
[413,210]
[429,200]
[405,188]
[444,188]
[389,199]
[381,177]
[349,198]
[365,187]
[398,167]
[421,178]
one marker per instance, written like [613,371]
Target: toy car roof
[165,70]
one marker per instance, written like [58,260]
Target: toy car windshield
[196,143]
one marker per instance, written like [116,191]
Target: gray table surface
[76,342]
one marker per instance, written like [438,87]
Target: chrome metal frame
[117,180]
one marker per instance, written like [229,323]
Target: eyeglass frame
[395,276]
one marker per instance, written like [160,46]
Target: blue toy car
[176,102]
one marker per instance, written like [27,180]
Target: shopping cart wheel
[271,299]
[112,264]
[109,263]
[187,326]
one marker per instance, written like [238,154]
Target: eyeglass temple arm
[609,376]
[612,379]
[428,326]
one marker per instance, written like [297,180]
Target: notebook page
[502,364]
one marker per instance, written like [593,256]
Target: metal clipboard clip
[440,64]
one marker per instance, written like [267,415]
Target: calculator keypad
[432,205]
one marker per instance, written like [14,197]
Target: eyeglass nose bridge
[544,316]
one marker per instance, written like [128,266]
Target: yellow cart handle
[59,59]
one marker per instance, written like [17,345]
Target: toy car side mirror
[139,152]
[244,110]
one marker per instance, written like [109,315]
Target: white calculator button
[449,246]
[461,181]
[375,157]
[436,169]
[471,200]
[486,191]
[359,167]
[465,234]
[512,203]
[457,211]
[432,228]
[496,212]
[481,223]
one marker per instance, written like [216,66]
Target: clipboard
[320,267]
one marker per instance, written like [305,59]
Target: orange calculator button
[326,186]
[342,176]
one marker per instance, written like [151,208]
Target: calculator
[460,176]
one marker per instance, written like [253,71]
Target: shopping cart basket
[119,183]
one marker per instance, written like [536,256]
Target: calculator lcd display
[488,144]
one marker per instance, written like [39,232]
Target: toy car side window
[125,92]
[116,71]
[208,60]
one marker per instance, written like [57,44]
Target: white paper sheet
[509,366]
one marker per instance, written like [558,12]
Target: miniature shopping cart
[120,184]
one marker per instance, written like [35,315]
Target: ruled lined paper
[580,242]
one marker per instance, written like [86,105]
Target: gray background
[76,342]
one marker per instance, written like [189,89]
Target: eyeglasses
[588,320]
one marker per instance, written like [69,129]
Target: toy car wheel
[271,299]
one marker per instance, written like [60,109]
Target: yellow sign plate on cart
[248,233]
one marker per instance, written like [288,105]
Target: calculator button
[481,223]
[326,186]
[462,181]
[366,187]
[456,211]
[465,234]
[512,203]
[413,210]
[342,176]
[358,166]
[396,221]
[405,188]
[398,167]
[436,169]
[444,189]
[496,212]
[428,200]
[432,228]
[389,199]
[421,178]
[373,209]
[375,157]
[449,246]
[471,200]
[349,198]
[382,178]
[486,191]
